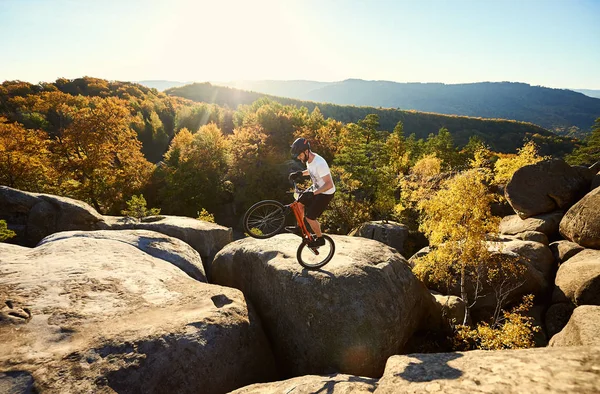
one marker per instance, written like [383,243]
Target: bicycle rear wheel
[264,219]
[313,258]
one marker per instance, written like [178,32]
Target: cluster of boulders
[90,303]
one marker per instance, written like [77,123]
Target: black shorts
[315,205]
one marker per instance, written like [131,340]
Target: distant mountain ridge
[500,134]
[554,109]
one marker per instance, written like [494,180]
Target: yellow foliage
[506,166]
[24,158]
[206,216]
[516,331]
[427,166]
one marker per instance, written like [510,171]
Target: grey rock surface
[311,384]
[545,223]
[98,314]
[540,370]
[348,317]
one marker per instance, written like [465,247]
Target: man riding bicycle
[313,202]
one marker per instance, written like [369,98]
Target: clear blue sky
[554,43]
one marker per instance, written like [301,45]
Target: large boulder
[563,250]
[578,279]
[547,186]
[545,223]
[112,313]
[581,223]
[390,233]
[347,317]
[540,370]
[556,318]
[583,328]
[33,216]
[310,384]
[205,237]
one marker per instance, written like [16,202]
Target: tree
[24,158]
[507,165]
[196,168]
[457,220]
[5,233]
[589,153]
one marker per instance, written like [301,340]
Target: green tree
[5,233]
[589,153]
[196,165]
[136,208]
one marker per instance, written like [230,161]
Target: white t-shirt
[317,169]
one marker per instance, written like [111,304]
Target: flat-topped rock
[540,370]
[95,313]
[347,317]
[311,384]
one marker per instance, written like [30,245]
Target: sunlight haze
[550,43]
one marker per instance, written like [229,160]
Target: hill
[501,135]
[589,92]
[553,109]
[161,85]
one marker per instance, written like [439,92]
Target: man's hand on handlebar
[295,176]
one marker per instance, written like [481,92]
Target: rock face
[578,279]
[581,223]
[310,384]
[207,238]
[546,223]
[541,370]
[556,318]
[544,187]
[583,328]
[34,216]
[109,312]
[348,317]
[390,233]
[564,250]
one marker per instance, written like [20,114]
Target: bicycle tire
[264,219]
[317,263]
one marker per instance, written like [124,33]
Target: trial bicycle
[267,218]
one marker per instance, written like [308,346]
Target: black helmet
[299,146]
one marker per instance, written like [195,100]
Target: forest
[501,135]
[105,142]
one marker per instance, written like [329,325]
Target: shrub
[136,208]
[5,233]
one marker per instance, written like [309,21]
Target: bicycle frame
[295,207]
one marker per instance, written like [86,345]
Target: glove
[294,176]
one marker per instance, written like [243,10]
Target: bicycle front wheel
[264,219]
[313,258]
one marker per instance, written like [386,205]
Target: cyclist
[314,202]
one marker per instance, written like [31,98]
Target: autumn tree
[196,168]
[507,165]
[258,170]
[457,220]
[95,152]
[24,158]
